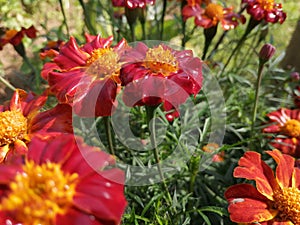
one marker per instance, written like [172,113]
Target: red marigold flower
[15,37]
[21,119]
[211,15]
[265,9]
[159,75]
[274,200]
[61,181]
[132,4]
[91,72]
[285,123]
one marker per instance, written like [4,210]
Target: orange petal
[252,167]
[285,167]
[3,151]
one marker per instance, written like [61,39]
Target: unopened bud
[266,52]
[295,76]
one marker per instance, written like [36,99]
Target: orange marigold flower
[285,123]
[266,10]
[87,77]
[274,200]
[61,181]
[213,148]
[15,37]
[21,119]
[211,15]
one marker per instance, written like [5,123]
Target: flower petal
[285,167]
[247,205]
[252,167]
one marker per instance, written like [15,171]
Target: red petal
[76,217]
[71,55]
[57,119]
[252,167]
[247,205]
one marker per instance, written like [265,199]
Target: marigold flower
[266,10]
[274,200]
[21,119]
[86,77]
[151,76]
[15,37]
[211,15]
[132,4]
[61,181]
[285,123]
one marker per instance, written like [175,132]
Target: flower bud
[295,76]
[266,52]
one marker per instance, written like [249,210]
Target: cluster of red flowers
[39,150]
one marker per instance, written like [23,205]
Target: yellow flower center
[287,202]
[214,12]
[291,128]
[13,126]
[266,4]
[39,193]
[104,62]
[160,60]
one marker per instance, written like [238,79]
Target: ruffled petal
[252,167]
[285,167]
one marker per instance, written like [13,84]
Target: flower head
[211,15]
[285,123]
[15,37]
[266,10]
[275,200]
[51,49]
[21,119]
[61,181]
[132,4]
[86,77]
[160,74]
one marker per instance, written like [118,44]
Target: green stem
[87,21]
[109,134]
[36,73]
[251,25]
[64,16]
[183,25]
[4,81]
[150,115]
[163,19]
[258,82]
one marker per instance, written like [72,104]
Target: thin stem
[64,16]
[258,82]
[163,19]
[4,81]
[109,134]
[34,70]
[217,44]
[87,18]
[150,115]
